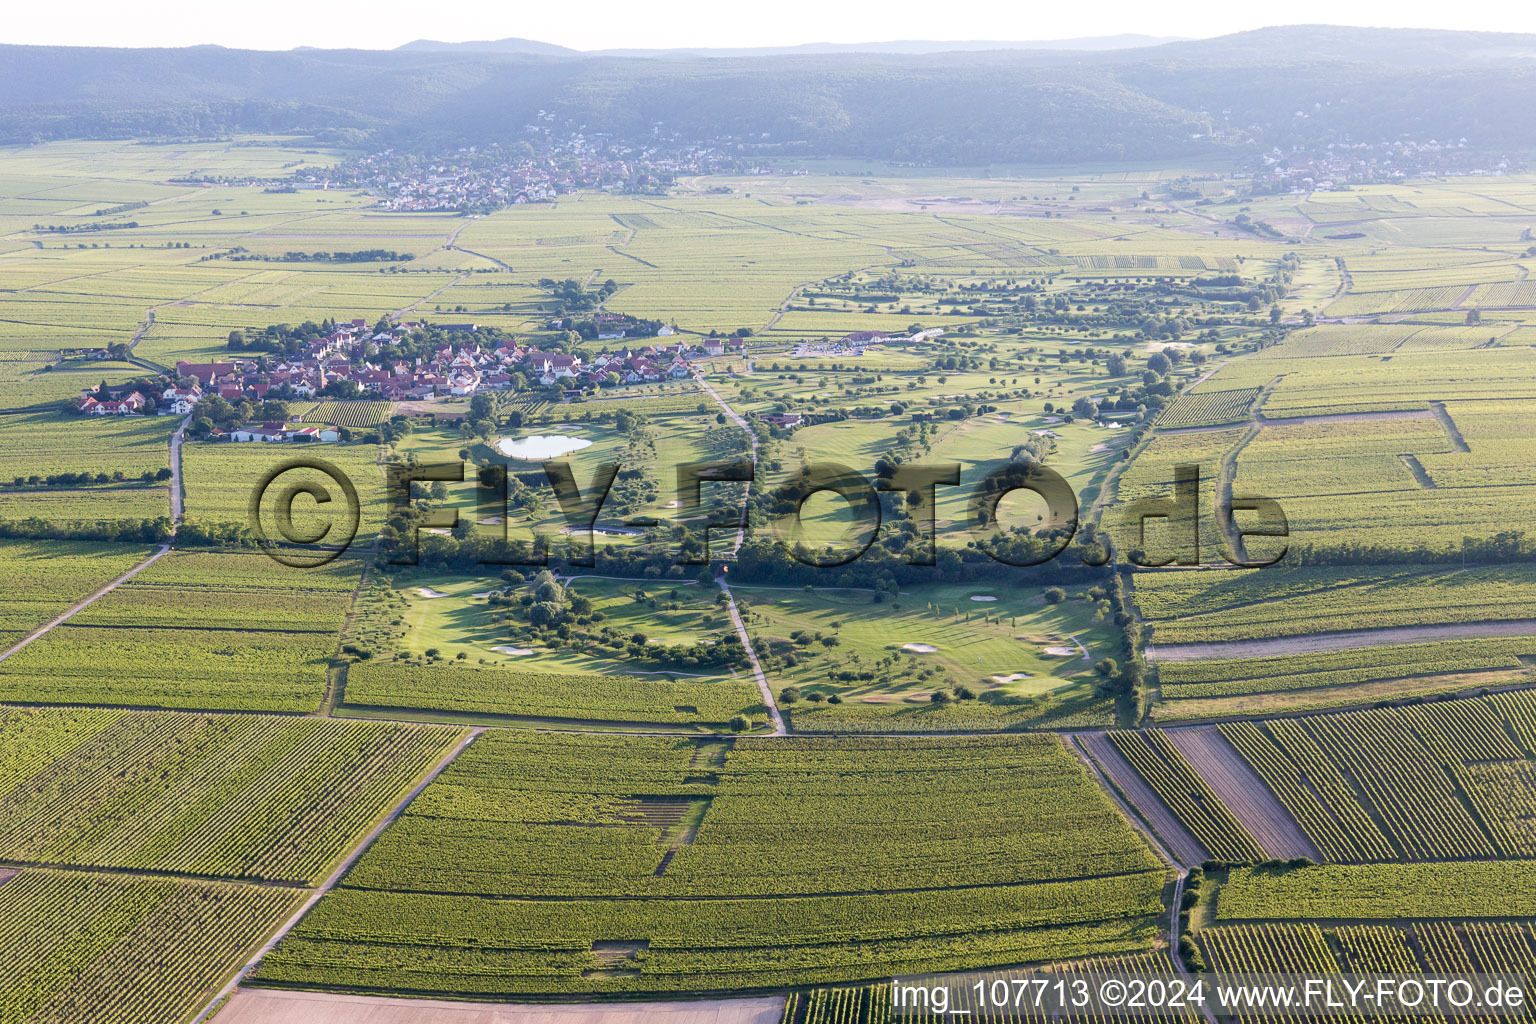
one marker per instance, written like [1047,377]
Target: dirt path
[1420,474]
[453,244]
[1173,840]
[1341,641]
[1243,792]
[1130,814]
[335,877]
[433,294]
[79,607]
[741,536]
[276,1006]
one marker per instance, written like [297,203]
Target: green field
[109,948]
[186,759]
[851,847]
[249,797]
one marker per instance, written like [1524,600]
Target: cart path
[1242,791]
[335,877]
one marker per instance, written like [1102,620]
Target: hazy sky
[598,24]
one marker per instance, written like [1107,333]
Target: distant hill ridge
[1298,85]
[531,46]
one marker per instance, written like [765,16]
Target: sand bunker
[919,648]
[429,592]
[1099,448]
[1013,678]
[540,447]
[1061,652]
[982,597]
[483,593]
[516,652]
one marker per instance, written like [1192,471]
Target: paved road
[741,536]
[757,668]
[336,876]
[740,421]
[176,499]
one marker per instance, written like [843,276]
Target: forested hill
[1309,85]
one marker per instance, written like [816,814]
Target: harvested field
[1174,836]
[259,1006]
[1243,792]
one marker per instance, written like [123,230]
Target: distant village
[1343,164]
[352,360]
[547,164]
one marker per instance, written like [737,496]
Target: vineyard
[30,446]
[1438,781]
[112,950]
[1447,889]
[1180,787]
[171,668]
[349,414]
[874,1004]
[570,696]
[852,845]
[1193,606]
[1424,948]
[1208,408]
[1220,677]
[233,796]
[45,577]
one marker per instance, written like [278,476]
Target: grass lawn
[984,645]
[451,614]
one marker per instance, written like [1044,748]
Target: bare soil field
[1244,793]
[270,1006]
[1174,836]
[1340,641]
